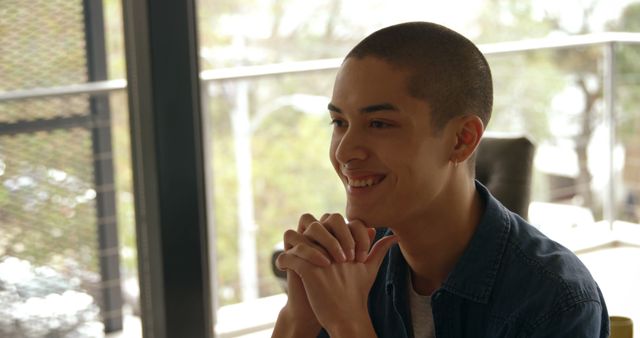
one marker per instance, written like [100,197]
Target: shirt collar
[396,268]
[474,275]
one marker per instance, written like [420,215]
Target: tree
[586,76]
[582,67]
[524,83]
[286,165]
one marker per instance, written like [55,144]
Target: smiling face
[393,165]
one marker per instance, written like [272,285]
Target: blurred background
[565,75]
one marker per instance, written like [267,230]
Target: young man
[409,107]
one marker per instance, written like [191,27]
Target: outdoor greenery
[290,170]
[47,195]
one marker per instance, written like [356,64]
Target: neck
[433,244]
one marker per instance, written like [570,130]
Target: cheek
[417,175]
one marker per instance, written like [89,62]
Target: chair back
[505,165]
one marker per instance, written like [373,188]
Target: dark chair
[504,164]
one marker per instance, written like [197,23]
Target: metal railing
[608,40]
[97,87]
[245,72]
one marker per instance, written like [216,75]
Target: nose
[350,146]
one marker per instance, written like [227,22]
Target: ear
[469,130]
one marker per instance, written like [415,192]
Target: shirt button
[436,295]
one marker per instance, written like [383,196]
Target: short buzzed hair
[446,69]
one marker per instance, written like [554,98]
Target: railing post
[609,77]
[168,168]
[109,254]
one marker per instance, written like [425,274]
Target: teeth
[362,183]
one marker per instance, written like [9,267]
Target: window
[67,220]
[266,87]
[63,264]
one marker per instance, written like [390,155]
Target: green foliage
[292,174]
[291,171]
[509,20]
[524,86]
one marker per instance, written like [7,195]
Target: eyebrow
[368,109]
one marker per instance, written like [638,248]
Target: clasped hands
[331,267]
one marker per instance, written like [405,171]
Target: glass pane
[555,98]
[128,253]
[628,131]
[49,245]
[270,134]
[67,241]
[263,175]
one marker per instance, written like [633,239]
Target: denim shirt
[511,281]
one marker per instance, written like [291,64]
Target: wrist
[290,325]
[362,328]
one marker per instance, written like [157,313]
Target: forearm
[287,326]
[360,333]
[361,328]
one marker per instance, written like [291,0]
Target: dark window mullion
[168,168]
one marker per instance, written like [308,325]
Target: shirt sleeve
[588,319]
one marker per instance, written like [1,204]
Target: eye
[379,124]
[338,123]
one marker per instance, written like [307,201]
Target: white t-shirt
[421,313]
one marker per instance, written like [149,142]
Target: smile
[364,182]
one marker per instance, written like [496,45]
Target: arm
[330,272]
[338,293]
[296,319]
[319,242]
[588,319]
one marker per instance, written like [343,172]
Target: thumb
[377,253]
[371,232]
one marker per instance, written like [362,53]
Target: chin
[366,217]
